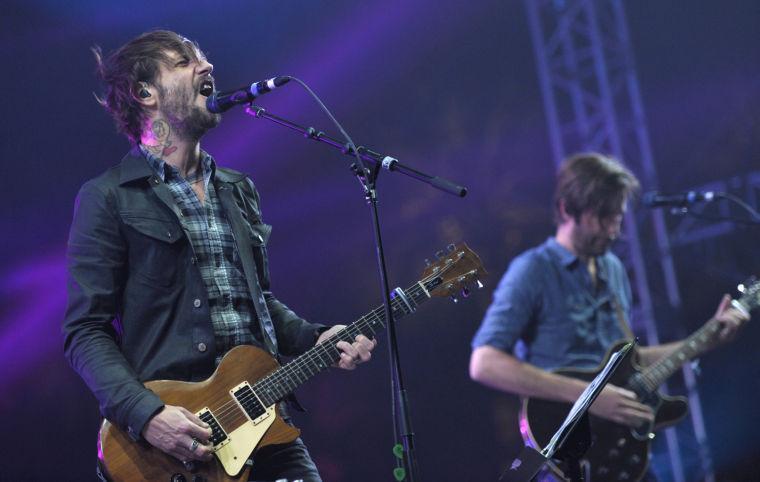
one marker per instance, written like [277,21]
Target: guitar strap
[621,318]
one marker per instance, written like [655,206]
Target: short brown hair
[592,182]
[136,61]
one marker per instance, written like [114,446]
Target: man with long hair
[167,261]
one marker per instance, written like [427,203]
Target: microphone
[219,102]
[654,199]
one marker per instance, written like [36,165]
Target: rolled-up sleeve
[513,306]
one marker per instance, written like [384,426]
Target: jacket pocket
[155,255]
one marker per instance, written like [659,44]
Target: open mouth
[207,88]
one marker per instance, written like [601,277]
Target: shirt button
[197,303]
[168,234]
[201,347]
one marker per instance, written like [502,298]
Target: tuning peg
[465,292]
[480,285]
[451,248]
[743,287]
[440,254]
[427,262]
[454,299]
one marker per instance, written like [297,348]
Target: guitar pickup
[218,436]
[249,402]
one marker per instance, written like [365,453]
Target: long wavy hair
[136,61]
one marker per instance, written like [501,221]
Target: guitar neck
[278,384]
[696,344]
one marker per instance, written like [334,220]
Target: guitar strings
[284,375]
[658,371]
[280,376]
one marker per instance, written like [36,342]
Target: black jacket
[137,307]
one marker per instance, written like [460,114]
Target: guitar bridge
[218,436]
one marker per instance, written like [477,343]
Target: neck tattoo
[161,131]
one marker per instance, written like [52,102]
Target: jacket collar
[134,166]
[228,175]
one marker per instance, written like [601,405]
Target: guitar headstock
[456,272]
[750,298]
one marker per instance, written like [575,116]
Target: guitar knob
[178,478]
[621,442]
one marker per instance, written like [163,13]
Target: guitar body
[617,452]
[126,460]
[239,401]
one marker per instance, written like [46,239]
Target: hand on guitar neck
[730,319]
[622,406]
[351,353]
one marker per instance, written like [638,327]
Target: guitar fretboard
[278,384]
[696,344]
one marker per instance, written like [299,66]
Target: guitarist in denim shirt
[567,300]
[167,261]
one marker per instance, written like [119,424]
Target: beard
[591,244]
[188,121]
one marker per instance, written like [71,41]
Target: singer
[167,262]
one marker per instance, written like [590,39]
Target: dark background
[449,87]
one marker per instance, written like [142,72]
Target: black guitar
[618,452]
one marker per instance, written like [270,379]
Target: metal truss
[593,103]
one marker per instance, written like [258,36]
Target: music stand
[573,437]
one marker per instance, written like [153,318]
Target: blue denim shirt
[547,300]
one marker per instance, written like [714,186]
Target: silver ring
[194,445]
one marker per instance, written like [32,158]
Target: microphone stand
[368,178]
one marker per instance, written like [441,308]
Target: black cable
[324,108]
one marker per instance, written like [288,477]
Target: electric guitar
[618,452]
[239,400]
